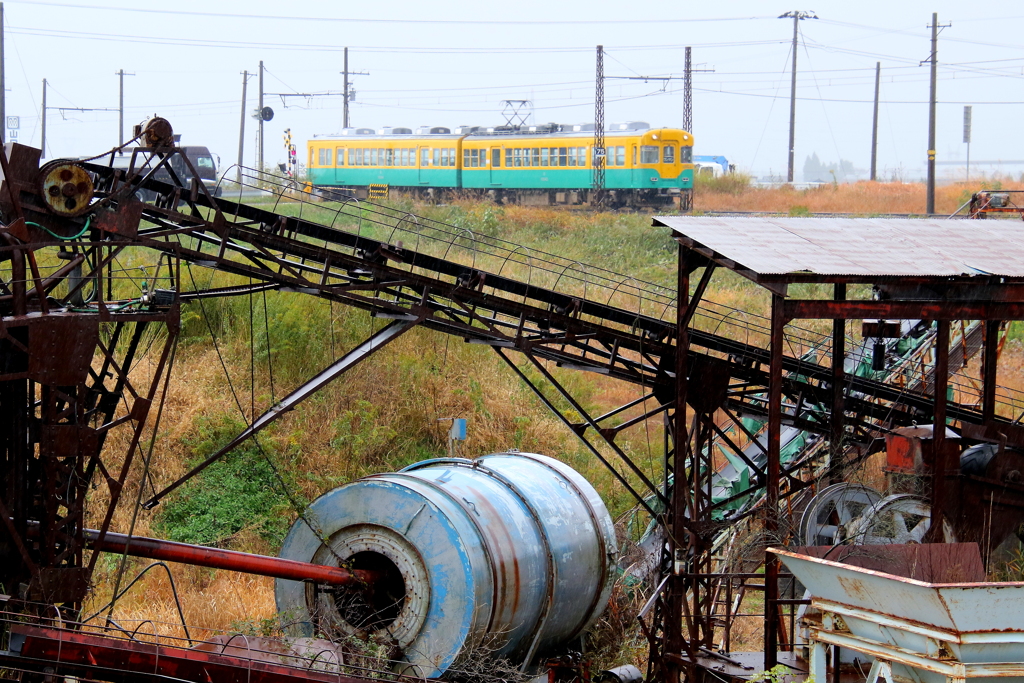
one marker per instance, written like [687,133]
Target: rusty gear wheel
[65,187]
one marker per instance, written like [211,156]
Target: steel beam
[817,309]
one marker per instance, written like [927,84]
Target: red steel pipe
[202,556]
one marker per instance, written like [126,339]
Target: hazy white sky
[451,63]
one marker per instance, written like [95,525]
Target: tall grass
[866,198]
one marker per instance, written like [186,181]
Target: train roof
[583,131]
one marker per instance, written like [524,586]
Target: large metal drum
[509,554]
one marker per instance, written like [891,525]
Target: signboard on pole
[967,124]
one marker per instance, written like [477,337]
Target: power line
[313,47]
[351,20]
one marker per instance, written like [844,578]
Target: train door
[494,168]
[422,168]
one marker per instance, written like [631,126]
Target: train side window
[412,156]
[324,158]
[581,153]
[572,156]
[495,157]
[437,157]
[310,157]
[634,155]
[390,157]
[562,156]
[620,156]
[648,154]
[668,154]
[465,158]
[536,157]
[544,158]
[451,156]
[686,155]
[339,156]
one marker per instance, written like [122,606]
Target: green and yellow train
[549,164]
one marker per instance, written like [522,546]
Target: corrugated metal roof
[871,247]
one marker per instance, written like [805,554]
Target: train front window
[668,154]
[649,154]
[686,155]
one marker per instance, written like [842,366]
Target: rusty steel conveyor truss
[407,270]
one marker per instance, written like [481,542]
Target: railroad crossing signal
[290,149]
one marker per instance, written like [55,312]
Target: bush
[729,183]
[238,492]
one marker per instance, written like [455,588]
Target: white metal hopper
[915,630]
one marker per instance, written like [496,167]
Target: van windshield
[204,162]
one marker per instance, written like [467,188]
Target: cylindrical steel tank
[513,553]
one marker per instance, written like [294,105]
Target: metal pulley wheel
[66,187]
[156,132]
[827,515]
[900,518]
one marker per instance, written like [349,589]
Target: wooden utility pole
[930,202]
[241,129]
[120,107]
[347,94]
[42,142]
[259,130]
[874,123]
[796,16]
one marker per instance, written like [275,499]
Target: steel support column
[989,373]
[771,521]
[676,589]
[837,424]
[934,534]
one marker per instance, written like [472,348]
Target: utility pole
[42,143]
[120,107]
[241,130]
[930,201]
[796,15]
[348,95]
[599,153]
[3,82]
[259,133]
[688,93]
[874,123]
[967,138]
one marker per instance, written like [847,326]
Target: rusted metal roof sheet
[871,247]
